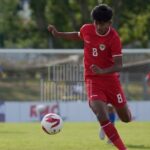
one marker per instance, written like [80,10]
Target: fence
[58,74]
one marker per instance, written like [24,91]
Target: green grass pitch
[74,136]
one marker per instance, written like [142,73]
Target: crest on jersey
[102,47]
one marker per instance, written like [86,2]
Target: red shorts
[106,89]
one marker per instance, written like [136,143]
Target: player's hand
[52,29]
[96,70]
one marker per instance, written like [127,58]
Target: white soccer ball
[52,123]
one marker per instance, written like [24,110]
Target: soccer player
[147,78]
[102,62]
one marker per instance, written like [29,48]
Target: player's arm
[65,35]
[117,67]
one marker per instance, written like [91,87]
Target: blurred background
[32,62]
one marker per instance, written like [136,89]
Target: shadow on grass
[138,146]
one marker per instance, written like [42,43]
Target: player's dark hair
[102,13]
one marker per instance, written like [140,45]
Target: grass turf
[74,136]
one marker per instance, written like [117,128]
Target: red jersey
[99,49]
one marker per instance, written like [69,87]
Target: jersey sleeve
[116,47]
[81,33]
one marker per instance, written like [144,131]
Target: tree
[131,19]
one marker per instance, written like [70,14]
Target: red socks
[113,135]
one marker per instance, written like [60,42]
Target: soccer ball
[52,123]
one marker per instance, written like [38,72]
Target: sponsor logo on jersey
[102,47]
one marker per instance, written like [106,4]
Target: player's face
[102,27]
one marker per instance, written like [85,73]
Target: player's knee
[101,117]
[126,119]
